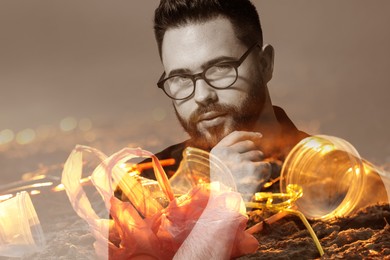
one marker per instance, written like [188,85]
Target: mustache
[210,108]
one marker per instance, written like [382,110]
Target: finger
[253,156]
[243,146]
[240,153]
[237,136]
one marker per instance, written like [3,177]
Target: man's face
[211,114]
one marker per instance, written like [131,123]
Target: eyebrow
[205,65]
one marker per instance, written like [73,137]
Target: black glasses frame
[201,75]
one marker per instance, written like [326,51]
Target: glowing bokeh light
[25,136]
[6,136]
[68,124]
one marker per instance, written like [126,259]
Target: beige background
[98,59]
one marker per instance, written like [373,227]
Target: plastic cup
[199,167]
[20,230]
[335,180]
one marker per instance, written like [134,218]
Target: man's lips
[210,116]
[211,119]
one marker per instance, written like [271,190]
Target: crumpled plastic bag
[206,223]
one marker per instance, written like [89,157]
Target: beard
[244,118]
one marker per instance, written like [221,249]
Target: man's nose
[204,93]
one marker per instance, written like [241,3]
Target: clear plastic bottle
[335,180]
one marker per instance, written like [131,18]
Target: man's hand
[241,153]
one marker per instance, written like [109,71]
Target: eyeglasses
[221,75]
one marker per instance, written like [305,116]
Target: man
[216,71]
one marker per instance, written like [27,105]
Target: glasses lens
[179,87]
[221,75]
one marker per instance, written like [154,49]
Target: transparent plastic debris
[335,180]
[20,230]
[200,167]
[154,223]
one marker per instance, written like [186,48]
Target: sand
[365,235]
[361,236]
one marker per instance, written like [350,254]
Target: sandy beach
[364,235]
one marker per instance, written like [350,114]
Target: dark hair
[241,13]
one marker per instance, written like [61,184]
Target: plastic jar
[335,180]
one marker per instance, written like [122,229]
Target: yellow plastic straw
[266,200]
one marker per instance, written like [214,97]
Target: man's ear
[267,62]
